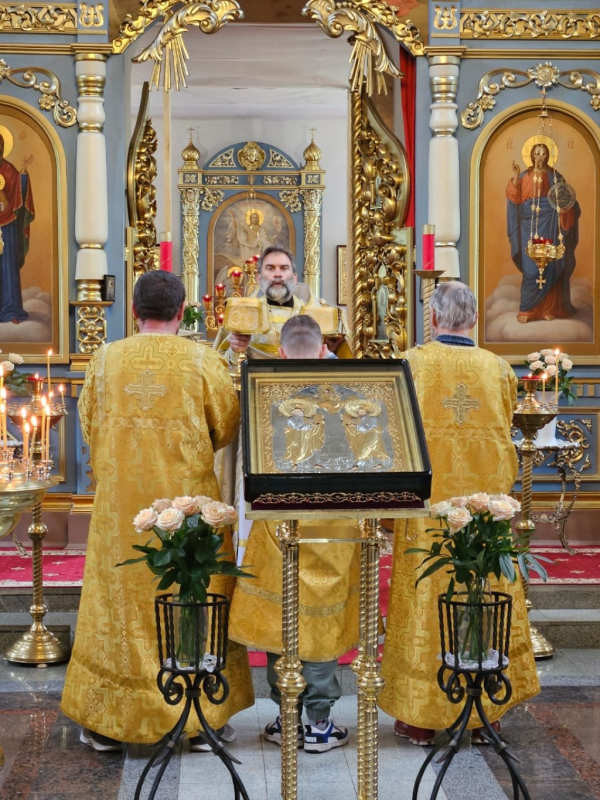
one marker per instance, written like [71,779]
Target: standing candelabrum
[250,272]
[529,417]
[245,316]
[23,484]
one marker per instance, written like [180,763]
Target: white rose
[218,514]
[186,504]
[170,519]
[145,520]
[508,499]
[550,359]
[566,364]
[547,352]
[458,518]
[561,356]
[533,357]
[479,501]
[440,509]
[459,502]
[161,505]
[15,358]
[501,509]
[8,366]
[535,365]
[202,500]
[551,370]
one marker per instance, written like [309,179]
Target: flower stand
[188,670]
[468,680]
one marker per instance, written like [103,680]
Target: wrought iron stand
[470,680]
[188,677]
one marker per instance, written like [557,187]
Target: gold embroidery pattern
[309,611]
[461,403]
[148,390]
[373,498]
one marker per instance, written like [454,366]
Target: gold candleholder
[236,278]
[219,300]
[250,272]
[529,417]
[429,279]
[210,320]
[246,316]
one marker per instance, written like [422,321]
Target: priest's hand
[333,342]
[239,342]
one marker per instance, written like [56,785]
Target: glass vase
[474,624]
[190,633]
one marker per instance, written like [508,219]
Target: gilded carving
[291,199]
[167,49]
[545,76]
[251,156]
[546,24]
[190,210]
[313,199]
[33,78]
[91,328]
[444,18]
[21,18]
[278,160]
[280,180]
[223,180]
[381,261]
[573,431]
[361,18]
[91,16]
[145,202]
[225,160]
[212,199]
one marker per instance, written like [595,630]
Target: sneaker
[320,741]
[422,737]
[479,736]
[103,744]
[201,744]
[272,732]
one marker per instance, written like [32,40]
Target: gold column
[291,683]
[312,187]
[190,191]
[429,278]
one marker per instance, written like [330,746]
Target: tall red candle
[166,252]
[428,247]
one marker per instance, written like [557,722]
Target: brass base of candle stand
[542,648]
[38,645]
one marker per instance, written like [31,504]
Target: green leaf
[507,567]
[131,561]
[162,558]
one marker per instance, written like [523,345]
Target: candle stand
[529,416]
[23,484]
[429,279]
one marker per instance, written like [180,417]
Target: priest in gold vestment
[466,396]
[329,576]
[153,409]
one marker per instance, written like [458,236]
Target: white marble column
[91,210]
[444,195]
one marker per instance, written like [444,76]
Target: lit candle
[25,440]
[49,354]
[1,377]
[37,376]
[557,354]
[544,379]
[46,435]
[61,389]
[3,431]
[428,247]
[34,427]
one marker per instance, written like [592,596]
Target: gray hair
[275,248]
[455,306]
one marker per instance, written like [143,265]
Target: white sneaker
[100,743]
[318,741]
[201,744]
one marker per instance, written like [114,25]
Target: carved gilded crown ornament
[545,76]
[45,82]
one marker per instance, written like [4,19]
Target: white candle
[46,435]
[25,440]
[556,353]
[1,377]
[3,431]
[61,389]
[48,357]
[544,379]
[34,426]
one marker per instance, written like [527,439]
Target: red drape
[409,88]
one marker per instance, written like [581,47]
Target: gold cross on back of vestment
[147,391]
[461,403]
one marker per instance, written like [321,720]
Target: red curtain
[408,86]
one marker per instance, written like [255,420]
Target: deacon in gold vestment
[153,409]
[466,396]
[329,576]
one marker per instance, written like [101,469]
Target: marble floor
[556,737]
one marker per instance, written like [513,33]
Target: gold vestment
[144,447]
[466,396]
[328,592]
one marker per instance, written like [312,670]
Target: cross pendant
[540,281]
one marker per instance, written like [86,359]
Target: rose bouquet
[15,381]
[192,313]
[473,542]
[189,544]
[553,363]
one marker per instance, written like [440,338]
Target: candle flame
[24,413]
[43,400]
[37,376]
[47,411]
[3,393]
[61,388]
[26,427]
[34,422]
[2,408]
[49,352]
